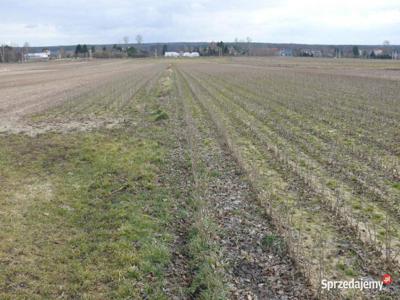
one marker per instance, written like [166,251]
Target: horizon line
[203,42]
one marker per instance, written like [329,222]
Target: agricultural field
[223,178]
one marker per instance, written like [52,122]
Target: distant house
[286,52]
[310,52]
[305,52]
[377,52]
[44,55]
[232,51]
[385,53]
[316,53]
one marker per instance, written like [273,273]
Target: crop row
[113,96]
[293,187]
[370,218]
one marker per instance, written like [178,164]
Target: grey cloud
[103,21]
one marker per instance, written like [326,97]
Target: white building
[45,55]
[171,54]
[191,54]
[378,52]
[184,54]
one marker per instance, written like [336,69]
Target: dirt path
[179,274]
[259,267]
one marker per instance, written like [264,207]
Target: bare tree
[26,47]
[139,39]
[62,52]
[9,53]
[126,40]
[25,50]
[2,52]
[386,43]
[248,40]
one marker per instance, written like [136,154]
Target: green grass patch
[92,219]
[160,115]
[274,243]
[87,214]
[205,259]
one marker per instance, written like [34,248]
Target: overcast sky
[54,22]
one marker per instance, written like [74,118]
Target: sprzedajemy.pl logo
[357,284]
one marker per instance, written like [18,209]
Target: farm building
[378,52]
[171,54]
[182,54]
[191,54]
[45,55]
